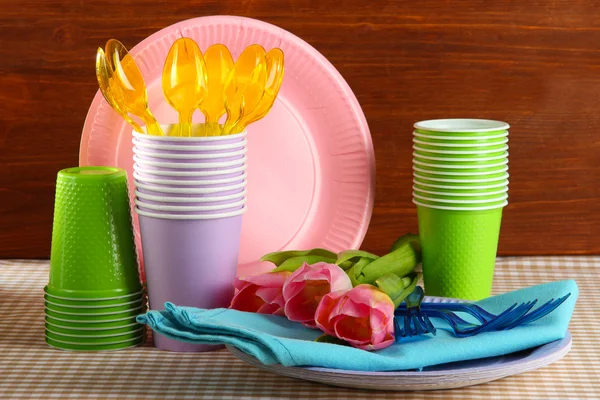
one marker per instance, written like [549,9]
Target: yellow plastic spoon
[219,66]
[128,83]
[184,81]
[103,75]
[250,78]
[275,71]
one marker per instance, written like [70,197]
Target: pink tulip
[363,317]
[305,288]
[260,293]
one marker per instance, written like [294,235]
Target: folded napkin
[275,340]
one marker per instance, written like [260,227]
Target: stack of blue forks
[412,318]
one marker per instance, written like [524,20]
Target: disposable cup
[190,176]
[460,202]
[189,158]
[489,173]
[82,317]
[118,345]
[196,192]
[73,306]
[94,338]
[476,207]
[470,161]
[180,211]
[189,167]
[461,127]
[462,188]
[92,237]
[432,166]
[458,251]
[433,137]
[422,178]
[70,330]
[189,262]
[93,324]
[475,194]
[462,146]
[190,200]
[219,182]
[459,164]
[189,148]
[183,209]
[84,297]
[470,152]
[197,137]
[94,310]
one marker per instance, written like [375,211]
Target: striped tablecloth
[30,369]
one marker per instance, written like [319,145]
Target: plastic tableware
[461,145]
[447,159]
[190,148]
[460,202]
[93,324]
[118,345]
[97,339]
[456,153]
[82,317]
[144,206]
[174,166]
[70,330]
[190,262]
[462,188]
[202,183]
[92,239]
[184,81]
[191,200]
[85,298]
[479,207]
[128,84]
[190,175]
[448,138]
[189,158]
[463,193]
[433,165]
[458,181]
[461,126]
[491,173]
[92,309]
[87,303]
[333,174]
[212,191]
[458,250]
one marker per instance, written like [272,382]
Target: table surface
[31,369]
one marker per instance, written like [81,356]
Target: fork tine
[540,312]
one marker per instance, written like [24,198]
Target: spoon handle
[152,126]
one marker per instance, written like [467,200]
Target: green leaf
[401,262]
[292,264]
[325,338]
[411,238]
[280,257]
[354,256]
[352,275]
[407,291]
[391,284]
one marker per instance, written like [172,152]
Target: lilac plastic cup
[158,190]
[189,158]
[205,183]
[189,262]
[189,148]
[189,176]
[189,167]
[188,141]
[186,209]
[190,201]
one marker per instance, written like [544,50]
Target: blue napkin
[275,340]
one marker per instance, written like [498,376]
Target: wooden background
[534,64]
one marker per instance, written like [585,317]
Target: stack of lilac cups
[190,198]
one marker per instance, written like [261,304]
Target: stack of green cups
[460,171]
[94,292]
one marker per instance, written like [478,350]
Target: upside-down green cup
[92,237]
[461,127]
[459,251]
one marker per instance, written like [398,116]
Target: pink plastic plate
[311,165]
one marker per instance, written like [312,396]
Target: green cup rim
[95,344]
[91,173]
[140,300]
[459,145]
[459,202]
[460,208]
[108,321]
[459,138]
[140,329]
[448,166]
[96,314]
[459,152]
[462,160]
[461,125]
[414,188]
[76,328]
[64,294]
[459,188]
[417,176]
[443,173]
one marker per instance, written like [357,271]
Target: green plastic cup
[471,161]
[100,316]
[461,127]
[94,309]
[69,300]
[95,339]
[68,330]
[477,187]
[460,164]
[459,194]
[459,251]
[498,201]
[460,169]
[448,138]
[497,145]
[92,238]
[94,324]
[69,345]
[461,154]
[92,295]
[491,173]
[444,198]
[458,181]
